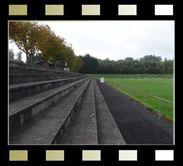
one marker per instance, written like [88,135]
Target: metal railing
[145,94]
[143,77]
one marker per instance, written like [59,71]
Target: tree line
[39,40]
[149,64]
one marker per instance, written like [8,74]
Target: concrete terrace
[48,106]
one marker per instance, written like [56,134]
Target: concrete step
[50,126]
[27,78]
[24,78]
[17,91]
[22,73]
[23,110]
[22,68]
[83,129]
[108,132]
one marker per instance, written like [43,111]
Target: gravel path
[138,126]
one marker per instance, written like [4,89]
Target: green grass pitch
[162,88]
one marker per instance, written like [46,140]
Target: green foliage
[35,39]
[151,58]
[90,64]
[25,36]
[149,64]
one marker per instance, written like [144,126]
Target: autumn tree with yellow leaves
[25,36]
[33,38]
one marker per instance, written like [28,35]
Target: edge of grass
[149,107]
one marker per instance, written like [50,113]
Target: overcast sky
[117,39]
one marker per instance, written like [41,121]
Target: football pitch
[156,85]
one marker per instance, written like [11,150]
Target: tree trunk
[27,56]
[31,59]
[46,63]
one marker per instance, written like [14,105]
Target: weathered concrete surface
[108,132]
[21,73]
[50,125]
[17,91]
[23,110]
[24,78]
[83,129]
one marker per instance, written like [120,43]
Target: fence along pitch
[160,99]
[143,92]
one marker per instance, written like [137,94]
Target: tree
[56,49]
[19,56]
[35,58]
[90,64]
[151,58]
[168,66]
[45,42]
[71,57]
[147,65]
[102,67]
[25,35]
[11,55]
[129,59]
[79,64]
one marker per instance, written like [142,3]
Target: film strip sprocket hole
[91,155]
[91,10]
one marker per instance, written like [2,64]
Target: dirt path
[138,126]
